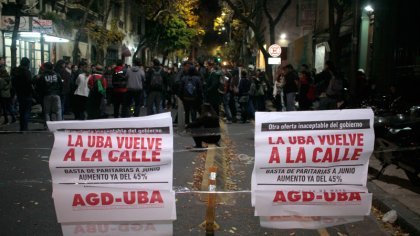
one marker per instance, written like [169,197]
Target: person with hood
[50,86]
[22,83]
[135,85]
[155,84]
[5,93]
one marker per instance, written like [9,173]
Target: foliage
[104,37]
[60,24]
[174,24]
[176,34]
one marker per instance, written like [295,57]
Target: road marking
[323,232]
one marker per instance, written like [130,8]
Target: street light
[369,9]
[283,36]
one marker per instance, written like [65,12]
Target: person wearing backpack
[119,84]
[135,80]
[191,95]
[154,82]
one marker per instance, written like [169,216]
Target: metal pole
[354,49]
[42,47]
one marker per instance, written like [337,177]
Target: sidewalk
[393,191]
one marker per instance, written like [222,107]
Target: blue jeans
[290,101]
[52,106]
[154,99]
[137,96]
[226,99]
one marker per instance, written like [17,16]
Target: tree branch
[241,16]
[267,14]
[283,9]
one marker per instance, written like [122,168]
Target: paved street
[28,207]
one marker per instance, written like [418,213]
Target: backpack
[190,90]
[119,80]
[156,82]
[311,94]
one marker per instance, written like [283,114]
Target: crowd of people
[231,93]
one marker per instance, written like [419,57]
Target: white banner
[135,152]
[305,222]
[120,229]
[313,201]
[113,169]
[75,203]
[310,163]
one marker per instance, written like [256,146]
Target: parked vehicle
[397,141]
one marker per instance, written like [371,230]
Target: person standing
[192,94]
[60,69]
[154,81]
[119,83]
[22,83]
[5,93]
[135,81]
[82,92]
[97,91]
[304,86]
[50,86]
[214,82]
[278,89]
[244,87]
[290,87]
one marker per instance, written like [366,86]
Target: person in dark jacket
[60,69]
[304,85]
[192,93]
[6,93]
[22,83]
[214,81]
[155,83]
[290,87]
[50,86]
[119,84]
[244,87]
[206,128]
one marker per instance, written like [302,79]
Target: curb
[407,219]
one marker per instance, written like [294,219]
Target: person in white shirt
[82,92]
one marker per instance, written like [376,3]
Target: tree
[103,37]
[13,48]
[171,25]
[336,9]
[78,36]
[250,13]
